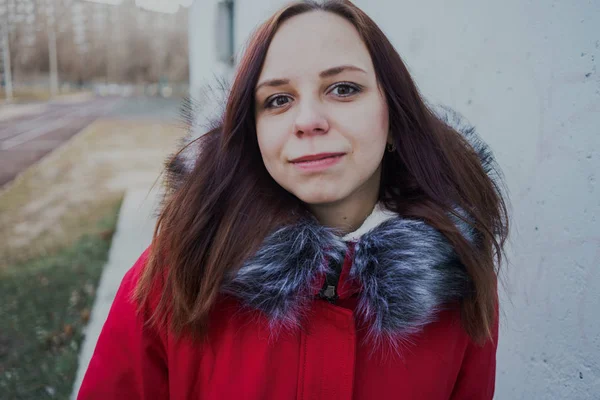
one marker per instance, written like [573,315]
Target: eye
[345,89]
[277,101]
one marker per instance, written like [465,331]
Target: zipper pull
[329,290]
[329,293]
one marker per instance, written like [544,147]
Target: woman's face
[321,120]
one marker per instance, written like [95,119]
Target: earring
[391,147]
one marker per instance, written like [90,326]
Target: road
[26,139]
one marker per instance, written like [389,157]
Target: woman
[334,238]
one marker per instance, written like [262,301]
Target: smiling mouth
[317,162]
[316,157]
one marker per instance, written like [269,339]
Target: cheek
[271,135]
[381,118]
[268,140]
[370,129]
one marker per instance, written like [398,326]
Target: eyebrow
[323,74]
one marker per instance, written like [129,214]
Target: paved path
[30,131]
[133,235]
[25,137]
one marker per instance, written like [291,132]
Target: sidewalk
[133,235]
[10,110]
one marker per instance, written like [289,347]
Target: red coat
[326,360]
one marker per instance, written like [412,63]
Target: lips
[315,157]
[317,163]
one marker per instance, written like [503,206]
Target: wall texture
[204,66]
[526,74]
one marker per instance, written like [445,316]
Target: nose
[310,120]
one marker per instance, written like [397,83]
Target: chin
[321,194]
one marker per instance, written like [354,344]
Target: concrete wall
[250,15]
[204,66]
[526,74]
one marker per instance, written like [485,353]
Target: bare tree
[121,43]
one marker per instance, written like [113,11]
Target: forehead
[312,42]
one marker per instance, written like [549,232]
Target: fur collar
[407,269]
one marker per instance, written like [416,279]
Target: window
[224,31]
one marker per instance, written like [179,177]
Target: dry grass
[59,199]
[37,94]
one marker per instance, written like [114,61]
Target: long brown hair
[221,214]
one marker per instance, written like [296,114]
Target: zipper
[329,290]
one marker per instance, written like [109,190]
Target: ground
[51,205]
[57,219]
[44,306]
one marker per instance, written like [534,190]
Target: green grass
[44,306]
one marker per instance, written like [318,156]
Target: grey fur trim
[459,123]
[407,269]
[278,279]
[199,114]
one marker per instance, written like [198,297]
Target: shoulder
[130,355]
[126,304]
[132,276]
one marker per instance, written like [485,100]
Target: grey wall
[526,74]
[204,66]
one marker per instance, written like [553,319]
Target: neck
[348,215]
